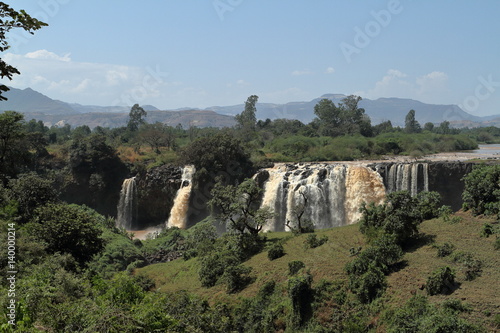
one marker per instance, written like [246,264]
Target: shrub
[445,212]
[487,230]
[471,266]
[444,250]
[496,245]
[299,291]
[369,285]
[312,241]
[440,281]
[276,251]
[295,266]
[236,277]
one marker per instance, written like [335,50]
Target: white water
[178,213]
[412,177]
[334,193]
[127,206]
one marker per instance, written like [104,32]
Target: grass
[327,262]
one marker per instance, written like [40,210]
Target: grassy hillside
[327,263]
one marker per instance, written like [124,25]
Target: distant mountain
[39,106]
[382,109]
[29,100]
[188,118]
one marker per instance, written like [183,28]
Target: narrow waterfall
[127,205]
[329,195]
[178,213]
[412,177]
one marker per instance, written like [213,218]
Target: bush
[444,212]
[312,241]
[236,277]
[369,285]
[444,250]
[496,245]
[295,266]
[299,291]
[471,266]
[276,251]
[440,281]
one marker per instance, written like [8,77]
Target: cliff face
[156,192]
[442,177]
[329,193]
[446,179]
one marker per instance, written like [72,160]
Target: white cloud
[301,72]
[46,55]
[428,88]
[330,70]
[61,78]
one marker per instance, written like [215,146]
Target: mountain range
[53,112]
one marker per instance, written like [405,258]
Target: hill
[39,106]
[326,263]
[379,110]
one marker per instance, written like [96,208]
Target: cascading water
[178,213]
[412,177]
[328,195]
[127,205]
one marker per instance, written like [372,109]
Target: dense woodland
[76,272]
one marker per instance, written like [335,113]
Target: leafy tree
[246,119]
[328,117]
[11,19]
[157,135]
[482,190]
[428,126]
[31,191]
[220,155]
[440,281]
[239,206]
[14,151]
[411,124]
[68,229]
[136,118]
[346,118]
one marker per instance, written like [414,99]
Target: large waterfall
[412,177]
[178,213]
[328,194]
[127,206]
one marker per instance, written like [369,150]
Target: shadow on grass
[421,240]
[399,266]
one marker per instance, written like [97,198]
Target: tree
[346,118]
[10,19]
[411,124]
[329,118]
[220,155]
[31,191]
[482,190]
[157,135]
[239,206]
[136,116]
[14,148]
[247,120]
[68,229]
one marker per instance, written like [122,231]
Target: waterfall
[127,205]
[328,195]
[178,213]
[412,177]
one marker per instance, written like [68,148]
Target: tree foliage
[411,124]
[136,118]
[482,190]
[68,229]
[239,206]
[346,118]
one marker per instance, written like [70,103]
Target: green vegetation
[78,273]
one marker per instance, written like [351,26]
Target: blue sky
[181,53]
